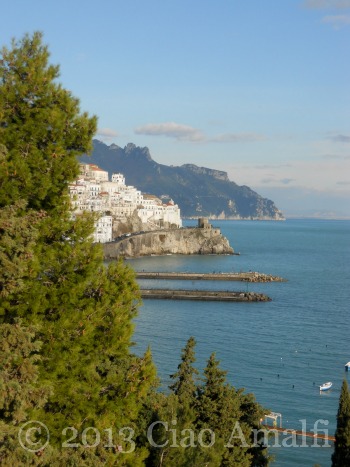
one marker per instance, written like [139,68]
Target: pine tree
[18,235]
[81,311]
[41,126]
[341,455]
[66,318]
[19,355]
[19,346]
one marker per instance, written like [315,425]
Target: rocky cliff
[199,191]
[186,241]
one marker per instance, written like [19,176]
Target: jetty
[221,276]
[204,295]
[300,433]
[322,434]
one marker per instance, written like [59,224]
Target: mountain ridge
[199,191]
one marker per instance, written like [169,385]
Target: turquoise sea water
[280,350]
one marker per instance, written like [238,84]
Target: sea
[281,351]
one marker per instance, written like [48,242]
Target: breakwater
[223,276]
[204,295]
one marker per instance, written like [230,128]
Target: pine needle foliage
[185,378]
[341,455]
[53,280]
[208,421]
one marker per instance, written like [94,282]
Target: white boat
[347,366]
[326,386]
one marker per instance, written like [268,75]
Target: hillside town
[123,208]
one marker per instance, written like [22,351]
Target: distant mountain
[198,191]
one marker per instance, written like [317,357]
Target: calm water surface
[280,350]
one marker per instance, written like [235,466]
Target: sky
[259,89]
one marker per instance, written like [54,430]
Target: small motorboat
[347,366]
[326,386]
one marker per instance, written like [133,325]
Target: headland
[202,240]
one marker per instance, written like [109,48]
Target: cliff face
[218,174]
[190,241]
[199,191]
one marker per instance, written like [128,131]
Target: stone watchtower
[207,229]
[203,223]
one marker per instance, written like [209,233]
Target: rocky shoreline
[204,240]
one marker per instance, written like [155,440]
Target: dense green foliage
[341,455]
[205,421]
[66,320]
[67,317]
[41,127]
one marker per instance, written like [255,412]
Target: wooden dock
[204,295]
[221,276]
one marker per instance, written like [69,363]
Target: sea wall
[204,295]
[184,241]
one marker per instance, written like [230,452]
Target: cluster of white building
[117,202]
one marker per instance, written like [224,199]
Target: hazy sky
[257,88]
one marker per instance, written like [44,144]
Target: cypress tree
[212,393]
[177,411]
[251,414]
[220,410]
[184,385]
[178,440]
[219,417]
[341,455]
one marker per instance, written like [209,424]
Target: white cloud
[303,201]
[337,20]
[237,138]
[106,133]
[171,130]
[286,181]
[187,133]
[271,166]
[266,181]
[334,156]
[275,181]
[340,138]
[330,4]
[321,174]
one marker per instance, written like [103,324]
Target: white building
[92,171]
[93,191]
[103,229]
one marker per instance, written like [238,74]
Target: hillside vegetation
[198,191]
